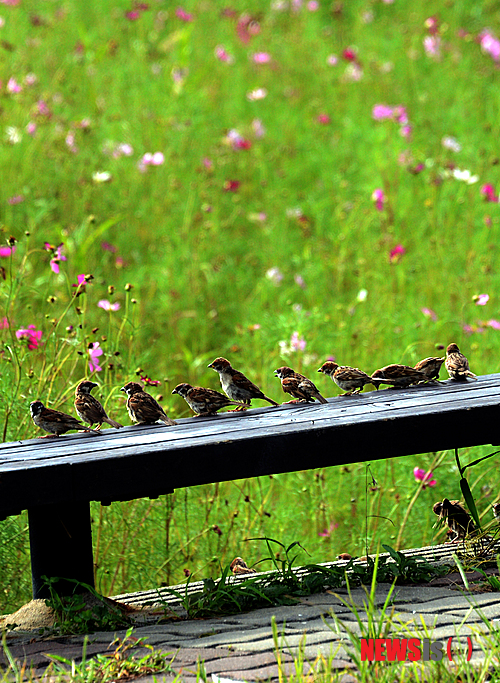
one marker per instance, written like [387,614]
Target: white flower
[101,176]
[13,135]
[450,143]
[362,294]
[464,175]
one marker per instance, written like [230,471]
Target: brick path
[241,647]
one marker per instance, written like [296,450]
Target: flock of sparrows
[239,392]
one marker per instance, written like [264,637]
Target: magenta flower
[81,282]
[481,299]
[156,159]
[94,351]
[380,112]
[236,141]
[429,313]
[106,246]
[181,14]
[31,128]
[324,119]
[379,198]
[396,253]
[326,533]
[5,252]
[489,193]
[108,306]
[494,324]
[432,46]
[57,255]
[132,15]
[332,60]
[33,336]
[16,199]
[350,55]
[231,185]
[150,382]
[42,108]
[424,477]
[222,55]
[4,323]
[261,57]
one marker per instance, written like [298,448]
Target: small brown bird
[53,421]
[204,402]
[236,385]
[457,518]
[89,409]
[399,376]
[239,566]
[142,407]
[457,364]
[430,367]
[298,386]
[350,380]
[344,556]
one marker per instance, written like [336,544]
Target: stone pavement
[241,647]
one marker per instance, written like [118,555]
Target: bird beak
[210,366]
[122,389]
[276,373]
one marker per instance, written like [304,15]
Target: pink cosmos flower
[349,55]
[222,55]
[207,163]
[299,280]
[297,343]
[33,336]
[42,109]
[156,159]
[423,476]
[236,141]
[494,324]
[31,128]
[11,3]
[150,382]
[16,199]
[490,44]
[132,15]
[57,256]
[106,246]
[94,352]
[261,57]
[379,198]
[108,306]
[181,14]
[231,185]
[70,142]
[324,119]
[429,313]
[258,128]
[396,253]
[5,252]
[313,5]
[488,191]
[4,324]
[432,46]
[13,86]
[332,60]
[481,299]
[380,112]
[81,282]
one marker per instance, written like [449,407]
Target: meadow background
[275,182]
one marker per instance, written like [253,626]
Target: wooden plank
[147,461]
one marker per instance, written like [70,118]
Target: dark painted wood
[61,546]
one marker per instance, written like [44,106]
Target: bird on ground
[238,566]
[350,380]
[205,402]
[298,386]
[457,364]
[88,407]
[236,385]
[430,367]
[54,421]
[399,376]
[456,516]
[142,407]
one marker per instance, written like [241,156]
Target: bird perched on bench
[204,402]
[238,566]
[298,386]
[457,364]
[54,421]
[430,367]
[88,407]
[457,518]
[400,376]
[236,385]
[350,380]
[142,407]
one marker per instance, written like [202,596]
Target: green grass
[197,257]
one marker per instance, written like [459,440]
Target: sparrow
[53,421]
[204,402]
[236,385]
[298,386]
[398,375]
[457,364]
[142,407]
[350,380]
[239,566]
[457,518]
[496,511]
[89,409]
[344,556]
[430,367]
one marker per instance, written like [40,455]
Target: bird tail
[113,423]
[470,374]
[320,398]
[166,420]
[271,401]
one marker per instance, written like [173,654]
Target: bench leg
[61,546]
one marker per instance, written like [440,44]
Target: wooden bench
[55,479]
